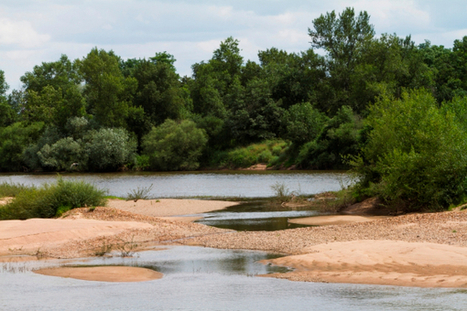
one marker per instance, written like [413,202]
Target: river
[202,278]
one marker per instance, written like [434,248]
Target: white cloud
[20,33]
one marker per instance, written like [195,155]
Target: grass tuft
[141,193]
[51,200]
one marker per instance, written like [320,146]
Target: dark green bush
[110,148]
[174,146]
[415,156]
[52,199]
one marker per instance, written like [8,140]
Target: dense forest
[381,104]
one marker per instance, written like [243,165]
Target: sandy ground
[380,262]
[333,220]
[169,207]
[104,274]
[409,250]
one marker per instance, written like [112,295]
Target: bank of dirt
[410,250]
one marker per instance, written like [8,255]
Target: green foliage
[62,154]
[304,123]
[107,91]
[174,146]
[8,189]
[141,193]
[47,200]
[13,141]
[415,156]
[339,138]
[266,153]
[110,148]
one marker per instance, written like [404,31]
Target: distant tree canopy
[109,113]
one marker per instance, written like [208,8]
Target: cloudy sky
[35,31]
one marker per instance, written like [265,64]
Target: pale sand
[333,220]
[104,274]
[27,236]
[169,207]
[380,262]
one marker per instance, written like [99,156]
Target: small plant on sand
[127,248]
[103,250]
[141,193]
[282,192]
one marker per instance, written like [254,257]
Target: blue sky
[35,31]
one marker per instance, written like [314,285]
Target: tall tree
[107,91]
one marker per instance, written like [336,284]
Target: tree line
[104,113]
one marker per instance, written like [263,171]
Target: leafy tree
[339,138]
[415,155]
[303,123]
[159,91]
[62,154]
[7,112]
[108,93]
[13,141]
[110,148]
[174,146]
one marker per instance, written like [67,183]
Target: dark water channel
[255,215]
[204,279]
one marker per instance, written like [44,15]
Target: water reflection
[256,215]
[208,279]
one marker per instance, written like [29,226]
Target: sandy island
[428,250]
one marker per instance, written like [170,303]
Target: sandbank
[333,220]
[104,273]
[169,207]
[380,262]
[29,236]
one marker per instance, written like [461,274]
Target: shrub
[174,146]
[11,189]
[110,148]
[13,141]
[51,199]
[415,155]
[62,154]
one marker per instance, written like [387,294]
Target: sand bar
[103,274]
[380,262]
[169,207]
[26,236]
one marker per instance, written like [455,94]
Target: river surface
[205,279]
[202,278]
[247,184]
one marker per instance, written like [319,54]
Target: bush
[13,141]
[62,154]
[304,123]
[52,199]
[11,189]
[174,146]
[415,155]
[110,148]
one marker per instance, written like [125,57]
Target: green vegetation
[174,146]
[395,110]
[415,155]
[270,152]
[141,193]
[51,200]
[8,189]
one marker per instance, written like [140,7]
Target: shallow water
[255,215]
[248,184]
[206,279]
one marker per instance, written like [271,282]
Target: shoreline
[398,250]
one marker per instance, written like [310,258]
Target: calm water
[256,215]
[248,184]
[205,279]
[202,278]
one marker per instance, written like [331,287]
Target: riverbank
[428,250]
